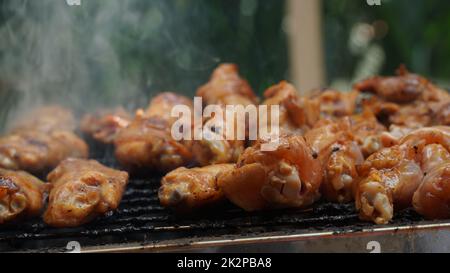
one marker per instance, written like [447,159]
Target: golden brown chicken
[284,178]
[296,114]
[147,143]
[40,140]
[389,179]
[21,195]
[334,145]
[38,152]
[82,190]
[432,199]
[334,103]
[405,87]
[104,125]
[393,175]
[188,189]
[45,119]
[225,88]
[367,132]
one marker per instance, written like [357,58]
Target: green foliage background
[156,45]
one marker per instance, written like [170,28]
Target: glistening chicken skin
[38,152]
[45,119]
[82,190]
[405,87]
[225,88]
[186,190]
[104,125]
[395,177]
[284,178]
[432,199]
[296,114]
[333,144]
[147,143]
[21,195]
[40,140]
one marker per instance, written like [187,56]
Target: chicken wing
[391,176]
[225,88]
[432,199]
[337,104]
[21,195]
[367,132]
[104,125]
[333,144]
[296,114]
[82,190]
[38,152]
[405,87]
[188,189]
[45,119]
[389,179]
[147,143]
[287,177]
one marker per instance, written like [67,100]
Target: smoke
[101,53]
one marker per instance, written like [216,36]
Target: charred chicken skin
[186,190]
[104,125]
[288,177]
[82,190]
[147,143]
[21,195]
[224,88]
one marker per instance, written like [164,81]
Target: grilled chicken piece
[389,179]
[341,173]
[45,119]
[21,195]
[147,143]
[287,177]
[334,145]
[40,140]
[337,104]
[432,199]
[38,152]
[188,189]
[296,114]
[104,125]
[82,190]
[225,87]
[405,87]
[391,176]
[368,132]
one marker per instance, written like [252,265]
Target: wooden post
[305,44]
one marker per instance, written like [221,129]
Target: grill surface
[140,219]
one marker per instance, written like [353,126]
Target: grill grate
[141,219]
